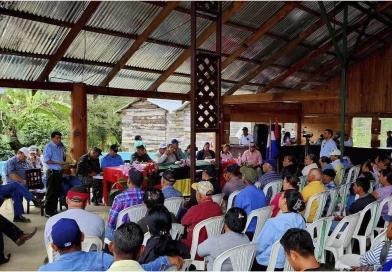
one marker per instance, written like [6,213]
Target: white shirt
[327,147]
[349,142]
[246,140]
[90,224]
[307,168]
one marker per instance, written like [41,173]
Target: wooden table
[112,175]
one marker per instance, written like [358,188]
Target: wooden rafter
[279,97]
[283,51]
[162,15]
[72,34]
[274,19]
[41,19]
[227,14]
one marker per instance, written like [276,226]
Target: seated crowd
[292,208]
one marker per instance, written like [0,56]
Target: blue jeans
[16,191]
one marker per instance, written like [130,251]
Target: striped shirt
[372,257]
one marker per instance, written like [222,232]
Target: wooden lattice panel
[207,92]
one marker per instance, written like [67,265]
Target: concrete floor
[31,255]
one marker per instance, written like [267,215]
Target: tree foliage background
[29,120]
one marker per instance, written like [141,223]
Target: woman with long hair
[291,204]
[289,183]
[161,242]
[235,222]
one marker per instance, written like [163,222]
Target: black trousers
[53,190]
[10,230]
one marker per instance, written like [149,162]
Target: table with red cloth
[112,175]
[224,165]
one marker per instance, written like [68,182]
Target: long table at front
[112,175]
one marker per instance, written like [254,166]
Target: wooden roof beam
[162,15]
[227,14]
[274,19]
[279,97]
[72,34]
[283,51]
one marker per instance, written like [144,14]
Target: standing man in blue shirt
[54,159]
[328,145]
[250,198]
[112,159]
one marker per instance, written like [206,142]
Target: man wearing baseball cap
[167,182]
[206,208]
[112,158]
[168,156]
[15,169]
[250,198]
[67,240]
[89,223]
[335,158]
[33,158]
[130,197]
[245,138]
[269,170]
[161,150]
[231,175]
[177,150]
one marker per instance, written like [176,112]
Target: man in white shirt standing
[328,145]
[245,138]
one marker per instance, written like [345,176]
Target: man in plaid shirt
[130,197]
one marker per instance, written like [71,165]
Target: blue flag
[272,147]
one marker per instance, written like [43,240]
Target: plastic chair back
[176,231]
[218,198]
[173,204]
[241,257]
[339,179]
[135,213]
[185,266]
[380,238]
[319,232]
[302,182]
[213,225]
[343,191]
[89,241]
[230,200]
[273,256]
[344,239]
[388,201]
[321,199]
[262,215]
[351,175]
[372,207]
[334,196]
[271,189]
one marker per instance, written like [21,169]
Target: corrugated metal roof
[267,75]
[374,27]
[133,80]
[293,56]
[232,38]
[293,80]
[237,70]
[329,5]
[14,67]
[176,28]
[73,72]
[255,13]
[28,36]
[98,47]
[176,84]
[66,11]
[294,23]
[263,48]
[154,56]
[314,65]
[130,17]
[320,36]
[225,87]
[185,67]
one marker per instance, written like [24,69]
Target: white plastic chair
[339,240]
[258,184]
[275,186]
[343,195]
[362,239]
[349,260]
[173,204]
[214,226]
[88,242]
[135,213]
[262,215]
[176,231]
[318,230]
[339,179]
[379,211]
[321,199]
[230,200]
[185,266]
[273,256]
[302,182]
[218,198]
[333,196]
[241,257]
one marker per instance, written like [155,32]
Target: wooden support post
[299,125]
[78,120]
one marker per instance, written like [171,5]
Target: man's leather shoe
[25,236]
[21,218]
